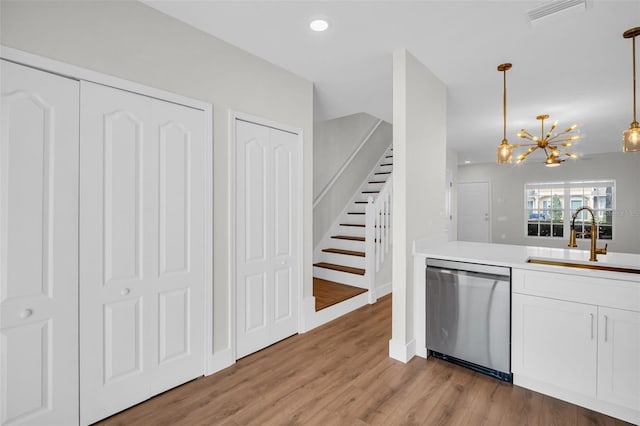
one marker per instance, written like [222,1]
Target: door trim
[78,73]
[233,117]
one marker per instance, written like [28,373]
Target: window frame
[564,189]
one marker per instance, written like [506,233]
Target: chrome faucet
[595,251]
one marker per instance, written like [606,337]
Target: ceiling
[574,66]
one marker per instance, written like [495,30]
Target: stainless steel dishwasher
[469,315]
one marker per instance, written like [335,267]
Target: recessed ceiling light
[467,162]
[318,25]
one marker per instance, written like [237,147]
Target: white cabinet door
[619,357]
[38,248]
[267,248]
[141,244]
[555,341]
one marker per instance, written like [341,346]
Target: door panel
[142,180]
[283,302]
[255,198]
[38,247]
[122,195]
[283,187]
[267,205]
[473,212]
[29,388]
[174,334]
[115,307]
[175,171]
[255,295]
[123,339]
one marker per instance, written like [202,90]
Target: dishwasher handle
[503,272]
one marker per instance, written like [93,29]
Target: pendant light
[631,136]
[504,149]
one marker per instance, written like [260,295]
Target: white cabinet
[578,339]
[555,342]
[619,357]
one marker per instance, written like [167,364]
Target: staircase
[354,248]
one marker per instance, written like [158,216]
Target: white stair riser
[352,219]
[339,277]
[343,259]
[347,244]
[374,186]
[352,231]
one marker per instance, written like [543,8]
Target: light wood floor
[341,374]
[328,293]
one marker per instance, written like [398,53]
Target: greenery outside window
[549,207]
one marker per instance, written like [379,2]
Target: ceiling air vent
[556,7]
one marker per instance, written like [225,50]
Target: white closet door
[141,244]
[38,248]
[267,240]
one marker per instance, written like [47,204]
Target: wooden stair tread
[355,213]
[386,164]
[361,202]
[377,181]
[348,237]
[328,293]
[382,173]
[341,268]
[346,252]
[352,224]
[389,156]
[370,192]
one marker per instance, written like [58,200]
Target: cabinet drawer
[577,288]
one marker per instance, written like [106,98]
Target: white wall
[334,142]
[134,42]
[419,155]
[507,195]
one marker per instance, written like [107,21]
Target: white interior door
[267,237]
[38,248]
[473,212]
[141,245]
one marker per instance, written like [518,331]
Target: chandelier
[553,144]
[631,136]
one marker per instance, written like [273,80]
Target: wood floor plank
[341,374]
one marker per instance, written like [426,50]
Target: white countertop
[516,257]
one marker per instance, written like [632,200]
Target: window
[547,214]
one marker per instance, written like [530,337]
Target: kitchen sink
[571,264]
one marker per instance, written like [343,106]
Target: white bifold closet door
[38,248]
[268,205]
[141,248]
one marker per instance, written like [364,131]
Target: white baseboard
[220,360]
[623,413]
[313,319]
[384,289]
[402,352]
[421,352]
